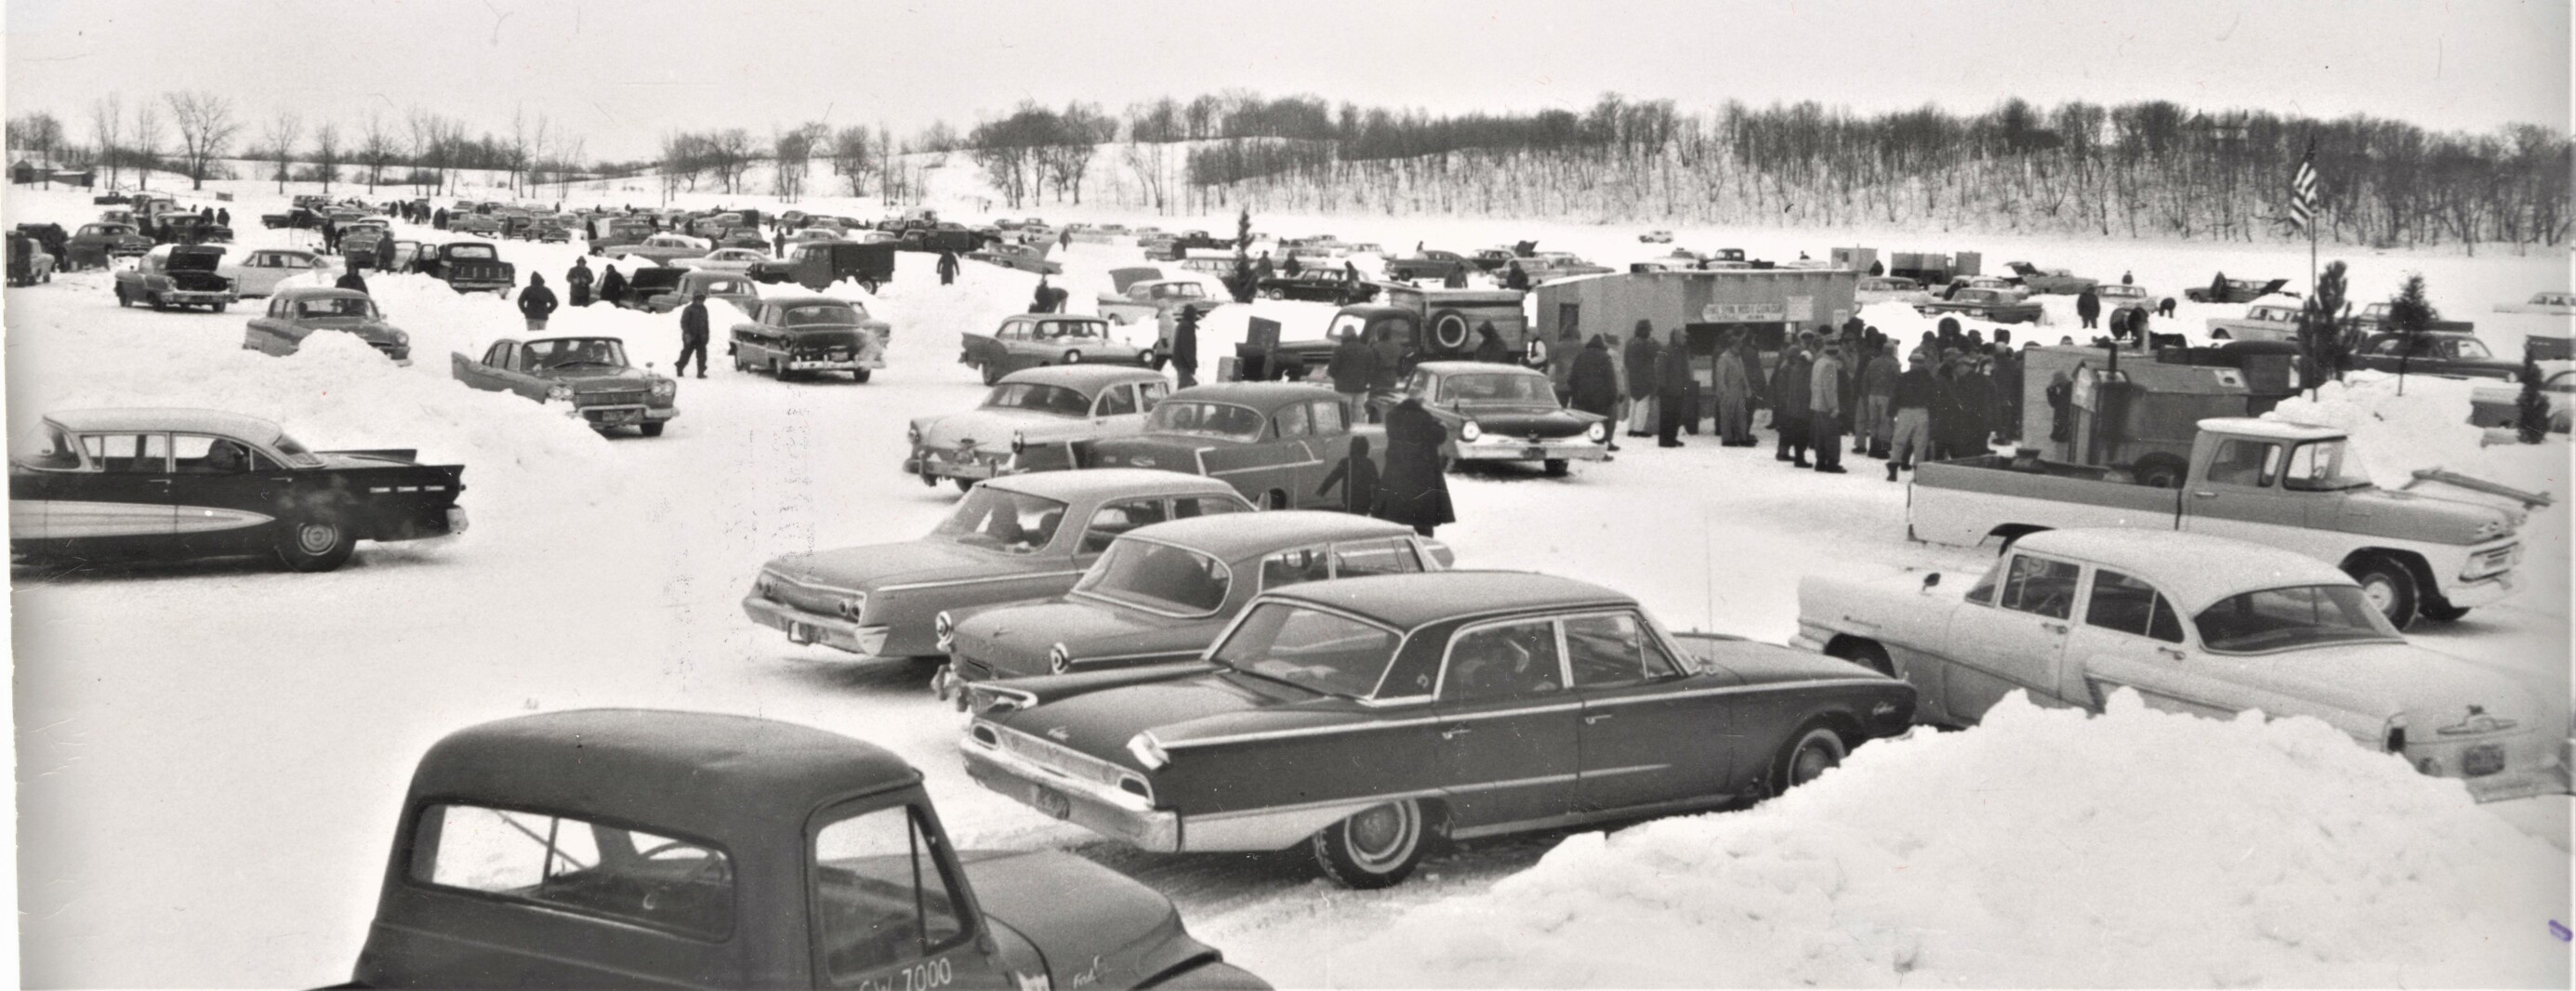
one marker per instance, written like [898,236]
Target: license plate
[1533,452]
[2482,760]
[618,417]
[1051,801]
[799,633]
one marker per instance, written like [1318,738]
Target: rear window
[679,886]
[472,252]
[819,314]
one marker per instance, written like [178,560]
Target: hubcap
[2381,593]
[1381,837]
[1812,760]
[316,538]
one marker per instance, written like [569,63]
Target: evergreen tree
[1241,284]
[2410,315]
[2531,408]
[2323,340]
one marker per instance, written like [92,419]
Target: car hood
[592,375]
[1121,933]
[2432,690]
[988,428]
[2415,516]
[1015,640]
[1523,419]
[895,564]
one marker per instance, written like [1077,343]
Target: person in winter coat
[439,219]
[1490,348]
[1592,385]
[1044,299]
[1351,368]
[1672,389]
[2061,412]
[1640,367]
[1388,371]
[349,278]
[1261,268]
[1734,396]
[1910,432]
[1958,411]
[1357,475]
[693,335]
[2127,280]
[1350,272]
[1825,405]
[536,302]
[947,267]
[2088,307]
[1456,279]
[1291,268]
[1560,362]
[2006,413]
[579,279]
[1414,491]
[778,244]
[1185,345]
[1791,401]
[612,285]
[1515,278]
[224,216]
[1877,399]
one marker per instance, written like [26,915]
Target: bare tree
[107,127]
[283,131]
[326,154]
[41,133]
[730,153]
[375,150]
[206,128]
[147,142]
[853,153]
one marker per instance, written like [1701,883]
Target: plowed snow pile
[2425,427]
[2042,848]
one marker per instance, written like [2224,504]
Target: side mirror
[1931,580]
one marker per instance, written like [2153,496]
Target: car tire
[1812,751]
[651,429]
[1375,848]
[1863,653]
[318,541]
[860,374]
[1558,467]
[154,298]
[121,298]
[219,307]
[2218,335]
[2390,587]
[964,484]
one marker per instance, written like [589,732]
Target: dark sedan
[1273,441]
[1362,717]
[1496,412]
[2434,353]
[1329,285]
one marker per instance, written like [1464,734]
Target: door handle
[2204,494]
[1597,717]
[2172,652]
[2055,627]
[1454,732]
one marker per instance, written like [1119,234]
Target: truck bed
[1967,500]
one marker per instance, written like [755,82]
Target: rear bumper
[845,365]
[804,627]
[1116,814]
[931,463]
[479,285]
[199,297]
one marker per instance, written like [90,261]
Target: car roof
[564,337]
[1407,601]
[1092,483]
[715,777]
[1083,317]
[805,300]
[1475,367]
[1086,377]
[1261,394]
[2269,429]
[1232,536]
[2195,570]
[318,292]
[249,428]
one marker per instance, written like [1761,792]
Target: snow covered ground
[212,755]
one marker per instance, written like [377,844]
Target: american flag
[2303,190]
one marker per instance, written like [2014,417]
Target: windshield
[571,351]
[819,314]
[2291,618]
[1003,520]
[1205,419]
[2323,466]
[1497,389]
[1310,648]
[1180,290]
[1159,577]
[335,307]
[472,251]
[1064,329]
[1054,399]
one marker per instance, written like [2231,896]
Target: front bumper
[1553,449]
[931,463]
[804,627]
[623,416]
[1102,809]
[830,365]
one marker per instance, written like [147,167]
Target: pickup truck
[2285,485]
[470,266]
[682,849]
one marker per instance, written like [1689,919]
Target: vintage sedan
[177,275]
[589,375]
[1038,340]
[1549,266]
[1320,285]
[1161,592]
[2049,281]
[2272,321]
[1497,412]
[1009,540]
[2119,299]
[258,272]
[470,266]
[792,336]
[668,249]
[1032,406]
[726,260]
[2226,290]
[1996,305]
[1656,236]
[1149,299]
[1273,441]
[1026,258]
[181,483]
[93,245]
[2500,405]
[2195,624]
[1890,289]
[297,313]
[1428,265]
[1362,718]
[358,240]
[2556,304]
[665,290]
[2434,353]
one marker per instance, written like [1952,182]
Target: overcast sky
[624,72]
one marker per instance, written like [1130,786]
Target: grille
[1062,760]
[2482,760]
[622,397]
[2495,560]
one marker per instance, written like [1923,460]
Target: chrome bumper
[968,466]
[848,365]
[1546,450]
[199,297]
[2463,594]
[803,627]
[1104,810]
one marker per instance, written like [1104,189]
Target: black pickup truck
[470,266]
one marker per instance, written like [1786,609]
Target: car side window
[2122,602]
[2250,463]
[1116,518]
[882,895]
[1612,650]
[2041,586]
[1291,567]
[1188,506]
[1117,400]
[1510,660]
[1292,422]
[129,454]
[1152,393]
[1421,384]
[1386,556]
[197,454]
[1327,417]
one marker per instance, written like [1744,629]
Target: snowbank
[2038,849]
[2427,427]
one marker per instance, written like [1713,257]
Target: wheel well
[1843,725]
[2426,586]
[2011,532]
[1279,498]
[1842,640]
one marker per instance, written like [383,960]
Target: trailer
[2139,412]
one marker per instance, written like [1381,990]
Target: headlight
[1072,356]
[559,393]
[944,629]
[401,338]
[665,388]
[851,607]
[1148,751]
[1059,660]
[1470,431]
[912,434]
[1596,433]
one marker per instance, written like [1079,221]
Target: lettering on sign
[1801,309]
[1743,313]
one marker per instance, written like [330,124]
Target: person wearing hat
[1825,406]
[1910,431]
[536,302]
[1792,383]
[693,335]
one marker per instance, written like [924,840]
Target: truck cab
[1430,325]
[655,848]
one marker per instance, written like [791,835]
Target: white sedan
[258,272]
[726,260]
[2194,624]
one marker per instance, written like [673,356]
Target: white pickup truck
[2286,485]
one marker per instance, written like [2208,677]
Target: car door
[1258,467]
[122,498]
[2014,639]
[1114,410]
[891,908]
[1644,739]
[2238,493]
[222,492]
[1507,728]
[2131,637]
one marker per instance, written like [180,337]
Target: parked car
[1274,441]
[2500,405]
[1889,289]
[668,249]
[1151,299]
[1549,266]
[1162,591]
[259,271]
[177,275]
[358,240]
[819,263]
[808,335]
[612,233]
[1038,340]
[94,245]
[627,847]
[2226,290]
[2556,304]
[2049,281]
[1363,717]
[664,290]
[726,260]
[29,263]
[172,484]
[1009,540]
[1026,258]
[1994,305]
[2373,319]
[1319,285]
[2272,321]
[479,224]
[471,266]
[588,374]
[2434,353]
[1505,413]
[2194,624]
[1657,236]
[299,312]
[2119,300]
[553,231]
[1427,265]
[1033,406]
[2287,485]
